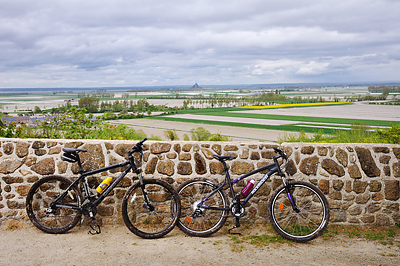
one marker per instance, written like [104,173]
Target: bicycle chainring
[237,213]
[89,210]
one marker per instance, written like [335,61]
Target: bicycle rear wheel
[57,219]
[301,226]
[156,219]
[206,221]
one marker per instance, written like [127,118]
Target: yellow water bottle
[103,185]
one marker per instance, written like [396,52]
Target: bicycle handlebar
[281,153]
[137,147]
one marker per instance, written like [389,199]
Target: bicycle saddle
[223,158]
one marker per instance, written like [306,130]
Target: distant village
[27,120]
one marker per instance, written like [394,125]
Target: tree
[385,92]
[37,110]
[91,104]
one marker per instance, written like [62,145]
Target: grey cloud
[155,42]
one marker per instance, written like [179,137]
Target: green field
[305,123]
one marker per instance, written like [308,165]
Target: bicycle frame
[273,168]
[82,178]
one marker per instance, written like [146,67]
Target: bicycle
[298,211]
[150,207]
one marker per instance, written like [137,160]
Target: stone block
[9,166]
[159,147]
[363,198]
[22,190]
[307,150]
[375,186]
[367,162]
[354,171]
[184,168]
[166,167]
[216,168]
[396,169]
[322,151]
[268,154]
[309,165]
[22,149]
[38,145]
[323,185]
[187,147]
[332,167]
[359,186]
[217,149]
[342,157]
[151,166]
[8,148]
[200,164]
[231,148]
[240,167]
[381,149]
[396,152]
[208,154]
[384,159]
[338,185]
[44,167]
[185,157]
[255,156]
[392,189]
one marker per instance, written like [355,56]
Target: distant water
[49,90]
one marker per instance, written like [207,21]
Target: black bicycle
[298,210]
[150,208]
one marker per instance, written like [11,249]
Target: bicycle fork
[146,204]
[288,188]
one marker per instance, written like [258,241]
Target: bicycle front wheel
[196,221]
[53,220]
[309,222]
[155,219]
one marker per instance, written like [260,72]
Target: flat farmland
[270,124]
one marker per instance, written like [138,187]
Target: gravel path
[117,246]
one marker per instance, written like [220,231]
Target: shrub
[200,134]
[171,134]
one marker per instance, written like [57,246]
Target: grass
[264,235]
[380,234]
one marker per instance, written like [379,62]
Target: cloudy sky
[91,43]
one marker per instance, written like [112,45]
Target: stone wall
[361,181]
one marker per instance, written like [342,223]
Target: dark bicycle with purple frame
[298,210]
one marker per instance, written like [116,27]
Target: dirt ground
[117,246]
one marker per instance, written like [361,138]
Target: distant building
[27,120]
[196,86]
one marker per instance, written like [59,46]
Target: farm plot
[308,119]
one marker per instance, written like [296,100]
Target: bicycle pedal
[95,228]
[232,233]
[237,225]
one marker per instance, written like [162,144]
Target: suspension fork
[288,188]
[147,203]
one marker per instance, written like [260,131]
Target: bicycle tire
[312,219]
[209,221]
[58,220]
[147,223]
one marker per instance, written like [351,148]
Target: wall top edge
[250,142]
